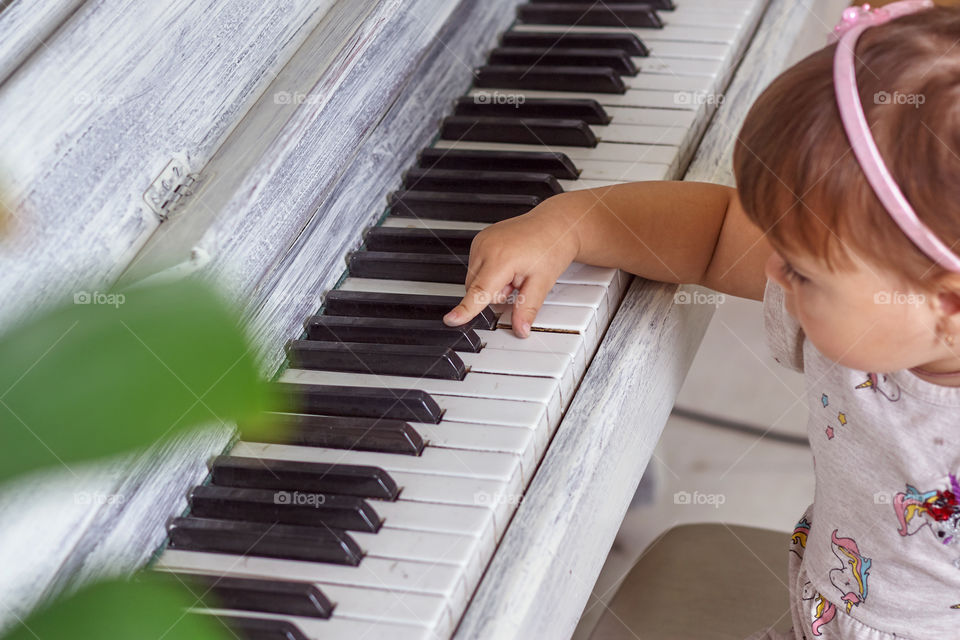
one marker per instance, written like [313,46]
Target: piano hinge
[172,188]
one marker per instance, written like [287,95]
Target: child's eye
[792,274]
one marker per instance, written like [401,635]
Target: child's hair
[799,180]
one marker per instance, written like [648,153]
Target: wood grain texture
[284,162]
[26,25]
[94,115]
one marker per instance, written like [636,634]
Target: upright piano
[327,163]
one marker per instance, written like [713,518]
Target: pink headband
[855,21]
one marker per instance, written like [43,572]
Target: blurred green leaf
[151,607]
[117,371]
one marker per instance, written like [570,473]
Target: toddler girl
[846,223]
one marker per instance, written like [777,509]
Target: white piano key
[552,365]
[459,521]
[401,575]
[677,67]
[562,294]
[732,16]
[639,134]
[382,606]
[651,117]
[670,32]
[337,628]
[569,343]
[481,437]
[580,320]
[433,461]
[426,223]
[606,277]
[421,545]
[659,82]
[582,156]
[630,98]
[543,391]
[507,413]
[478,505]
[578,185]
[691,50]
[616,171]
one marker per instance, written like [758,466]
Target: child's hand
[527,253]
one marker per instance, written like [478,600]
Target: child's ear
[948,294]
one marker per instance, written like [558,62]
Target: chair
[702,582]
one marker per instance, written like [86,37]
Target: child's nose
[774,271]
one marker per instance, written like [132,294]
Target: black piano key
[542,131]
[627,42]
[400,305]
[338,432]
[556,164]
[617,60]
[419,267]
[285,597]
[417,240]
[251,628]
[590,14]
[486,105]
[418,361]
[470,207]
[359,402]
[288,542]
[393,330]
[555,78]
[662,5]
[283,507]
[542,185]
[313,477]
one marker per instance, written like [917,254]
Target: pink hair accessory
[855,21]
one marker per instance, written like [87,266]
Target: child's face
[862,319]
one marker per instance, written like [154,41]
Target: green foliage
[114,372]
[152,606]
[105,375]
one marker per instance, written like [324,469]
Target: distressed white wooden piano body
[250,144]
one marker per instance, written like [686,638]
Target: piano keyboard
[374,510]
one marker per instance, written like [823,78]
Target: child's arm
[683,232]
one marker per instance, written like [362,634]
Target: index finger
[480,292]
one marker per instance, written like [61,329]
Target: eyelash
[791,274]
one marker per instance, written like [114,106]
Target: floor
[728,475]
